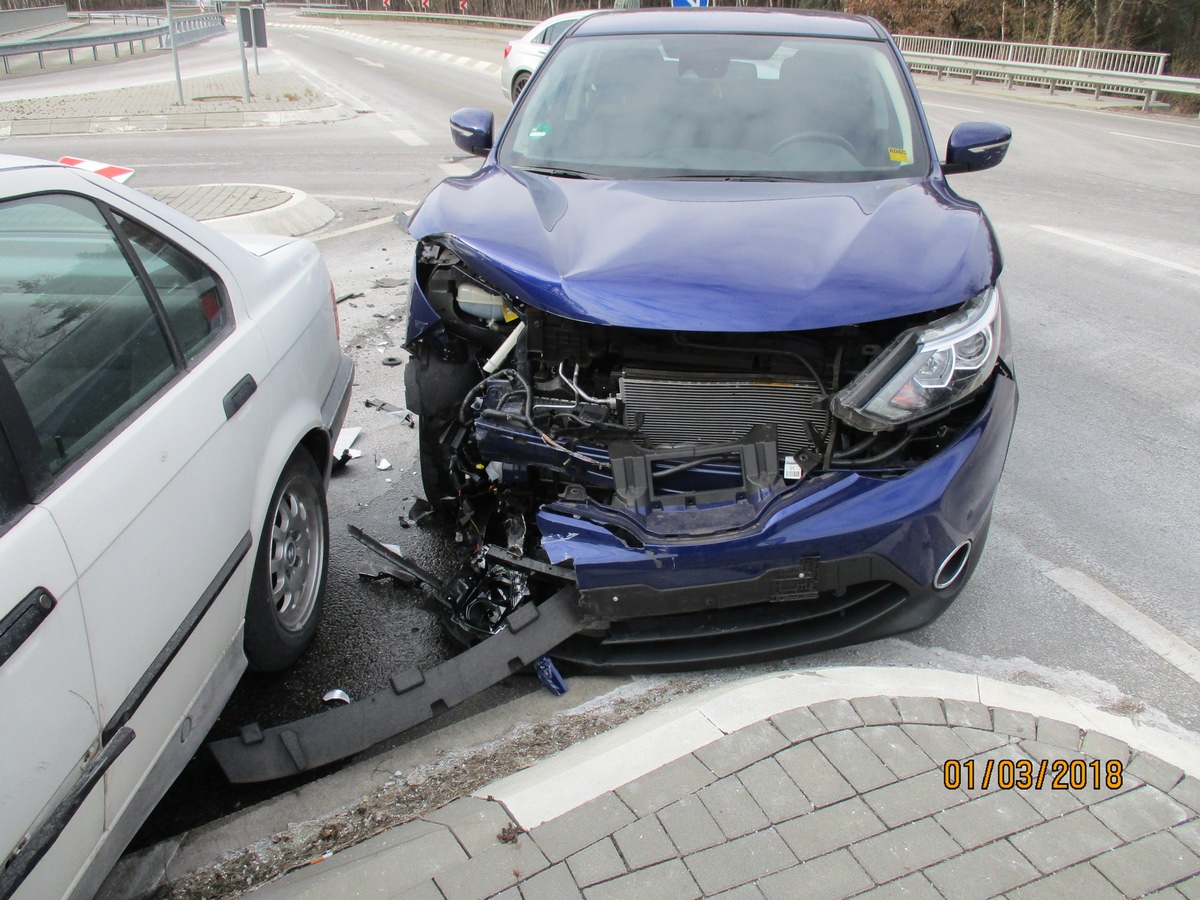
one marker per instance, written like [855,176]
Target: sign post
[242,22]
[174,51]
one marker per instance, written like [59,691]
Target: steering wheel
[823,136]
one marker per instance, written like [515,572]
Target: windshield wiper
[557,173]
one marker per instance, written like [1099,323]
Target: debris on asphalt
[390,282]
[393,361]
[337,695]
[549,676]
[371,571]
[345,297]
[342,449]
[404,415]
[383,465]
[420,509]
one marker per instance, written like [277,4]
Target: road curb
[603,763]
[300,214]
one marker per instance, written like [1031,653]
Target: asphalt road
[1088,582]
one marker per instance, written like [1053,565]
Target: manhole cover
[213,99]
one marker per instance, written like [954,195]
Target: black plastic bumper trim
[412,697]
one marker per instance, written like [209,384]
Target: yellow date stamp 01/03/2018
[1025,774]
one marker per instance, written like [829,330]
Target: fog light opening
[952,566]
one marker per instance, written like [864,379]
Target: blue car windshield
[718,106]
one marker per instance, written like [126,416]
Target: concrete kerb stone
[299,214]
[607,762]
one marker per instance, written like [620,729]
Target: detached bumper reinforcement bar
[412,697]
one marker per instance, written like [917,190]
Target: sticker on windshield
[539,131]
[898,154]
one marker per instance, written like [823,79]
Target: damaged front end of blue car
[748,415]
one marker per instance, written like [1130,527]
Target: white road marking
[1142,137]
[1137,625]
[465,62]
[1146,257]
[399,202]
[456,169]
[353,228]
[411,138]
[974,112]
[303,37]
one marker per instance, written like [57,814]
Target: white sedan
[168,398]
[525,54]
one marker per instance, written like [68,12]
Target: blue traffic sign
[689,2]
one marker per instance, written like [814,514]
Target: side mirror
[472,130]
[976,145]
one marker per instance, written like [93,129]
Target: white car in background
[168,399]
[525,54]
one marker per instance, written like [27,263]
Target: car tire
[518,85]
[287,594]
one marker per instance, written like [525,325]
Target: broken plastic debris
[337,695]
[418,511]
[549,676]
[403,414]
[346,437]
[383,465]
[390,282]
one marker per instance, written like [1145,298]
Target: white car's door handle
[237,397]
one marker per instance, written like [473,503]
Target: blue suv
[710,335]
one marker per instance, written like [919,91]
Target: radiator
[688,408]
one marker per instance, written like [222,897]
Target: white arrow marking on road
[1137,625]
[1142,137]
[369,62]
[411,138]
[1179,267]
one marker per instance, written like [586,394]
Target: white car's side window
[190,293]
[81,341]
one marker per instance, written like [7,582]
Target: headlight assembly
[926,369]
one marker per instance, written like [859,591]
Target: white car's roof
[554,20]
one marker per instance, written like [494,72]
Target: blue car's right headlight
[926,369]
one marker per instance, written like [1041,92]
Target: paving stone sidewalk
[837,799]
[276,98]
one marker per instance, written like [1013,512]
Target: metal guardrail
[187,30]
[1138,62]
[439,18]
[1055,77]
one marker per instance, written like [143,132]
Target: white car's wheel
[518,85]
[288,591]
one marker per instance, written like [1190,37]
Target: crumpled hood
[715,256]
